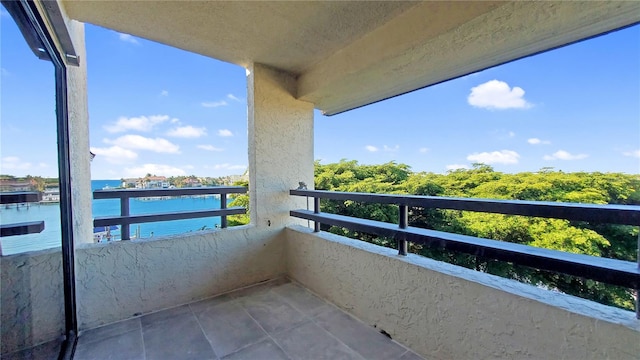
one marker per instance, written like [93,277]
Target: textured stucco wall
[116,281]
[280,146]
[447,312]
[79,135]
[32,299]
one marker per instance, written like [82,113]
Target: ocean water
[50,213]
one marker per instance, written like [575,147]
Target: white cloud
[4,72]
[497,95]
[225,133]
[13,163]
[157,169]
[209,148]
[11,159]
[536,141]
[141,123]
[457,166]
[187,132]
[512,134]
[424,150]
[233,97]
[127,38]
[158,145]
[384,148]
[214,104]
[564,155]
[495,157]
[635,153]
[164,93]
[115,154]
[227,167]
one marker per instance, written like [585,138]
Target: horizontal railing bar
[133,193]
[611,271]
[31,227]
[177,215]
[20,197]
[613,214]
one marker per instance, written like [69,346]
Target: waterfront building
[51,195]
[17,185]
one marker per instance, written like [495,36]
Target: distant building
[190,182]
[17,185]
[155,182]
[130,183]
[51,195]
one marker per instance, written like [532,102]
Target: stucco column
[79,137]
[280,146]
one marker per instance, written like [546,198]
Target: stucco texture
[78,111]
[280,146]
[31,299]
[120,280]
[446,312]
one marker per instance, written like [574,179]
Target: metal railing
[24,228]
[126,219]
[610,271]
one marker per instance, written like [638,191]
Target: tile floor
[47,351]
[275,320]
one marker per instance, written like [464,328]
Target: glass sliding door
[38,297]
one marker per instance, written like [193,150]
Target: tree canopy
[482,181]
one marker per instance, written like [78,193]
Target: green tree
[482,181]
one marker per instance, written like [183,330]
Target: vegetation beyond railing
[609,271]
[126,219]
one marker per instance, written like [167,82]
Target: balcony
[120,299]
[248,292]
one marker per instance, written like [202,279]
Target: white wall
[439,310]
[447,312]
[280,146]
[119,280]
[31,298]
[79,137]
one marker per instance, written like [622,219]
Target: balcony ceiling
[348,54]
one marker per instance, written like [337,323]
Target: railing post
[124,212]
[403,222]
[223,205]
[316,210]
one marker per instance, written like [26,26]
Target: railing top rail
[133,193]
[24,228]
[14,197]
[612,271]
[174,215]
[614,214]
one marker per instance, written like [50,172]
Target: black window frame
[40,39]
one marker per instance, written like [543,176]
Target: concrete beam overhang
[348,54]
[435,42]
[286,35]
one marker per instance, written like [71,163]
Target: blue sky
[156,109]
